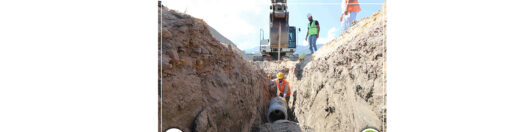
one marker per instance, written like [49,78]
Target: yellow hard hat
[280,75]
[269,76]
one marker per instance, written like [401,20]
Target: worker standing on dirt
[313,33]
[350,9]
[283,86]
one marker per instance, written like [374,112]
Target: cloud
[331,34]
[237,20]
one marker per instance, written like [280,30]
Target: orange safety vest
[353,5]
[281,88]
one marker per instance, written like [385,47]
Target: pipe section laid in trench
[277,110]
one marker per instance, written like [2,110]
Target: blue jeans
[347,20]
[312,42]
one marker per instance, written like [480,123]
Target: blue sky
[240,20]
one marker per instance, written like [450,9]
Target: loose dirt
[206,85]
[209,86]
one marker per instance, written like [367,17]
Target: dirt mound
[343,87]
[206,85]
[285,126]
[273,67]
[222,39]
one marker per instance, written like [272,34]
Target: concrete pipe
[277,110]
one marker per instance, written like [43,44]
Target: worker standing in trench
[283,86]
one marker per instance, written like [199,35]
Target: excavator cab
[292,41]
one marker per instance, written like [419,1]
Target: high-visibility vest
[312,28]
[353,5]
[283,85]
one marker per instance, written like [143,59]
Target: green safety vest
[312,28]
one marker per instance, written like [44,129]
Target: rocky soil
[206,85]
[343,87]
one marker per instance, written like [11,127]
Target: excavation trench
[206,84]
[281,113]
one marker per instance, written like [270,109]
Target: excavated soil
[206,85]
[343,87]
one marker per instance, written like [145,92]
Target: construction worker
[350,9]
[313,33]
[283,86]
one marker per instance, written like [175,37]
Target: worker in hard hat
[283,86]
[350,9]
[313,33]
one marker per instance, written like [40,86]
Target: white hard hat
[309,14]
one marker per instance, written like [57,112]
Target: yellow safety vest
[312,28]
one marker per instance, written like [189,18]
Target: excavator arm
[279,20]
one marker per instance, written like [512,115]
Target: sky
[241,20]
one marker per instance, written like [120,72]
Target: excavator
[283,39]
